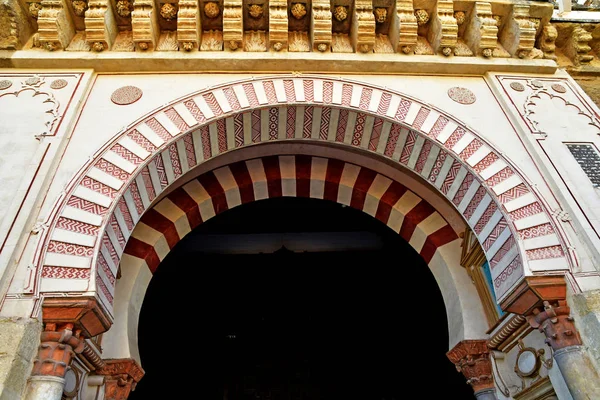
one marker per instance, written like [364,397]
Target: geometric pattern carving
[461,95]
[65,272]
[588,158]
[243,101]
[126,95]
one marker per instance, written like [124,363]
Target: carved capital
[59,344]
[556,323]
[472,359]
[121,377]
[84,313]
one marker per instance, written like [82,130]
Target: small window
[474,261]
[490,286]
[588,158]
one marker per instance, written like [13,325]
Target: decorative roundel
[126,95]
[528,361]
[462,95]
[518,86]
[5,84]
[537,84]
[558,88]
[72,380]
[58,84]
[33,81]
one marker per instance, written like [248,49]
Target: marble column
[555,321]
[59,344]
[121,376]
[472,358]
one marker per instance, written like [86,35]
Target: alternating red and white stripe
[143,161]
[161,227]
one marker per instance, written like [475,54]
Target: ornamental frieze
[442,27]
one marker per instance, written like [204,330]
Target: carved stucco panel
[31,111]
[555,114]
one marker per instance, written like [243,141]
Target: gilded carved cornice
[478,29]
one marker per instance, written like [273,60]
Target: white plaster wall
[464,311]
[560,118]
[121,341]
[101,119]
[35,121]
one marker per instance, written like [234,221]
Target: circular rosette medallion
[126,95]
[462,95]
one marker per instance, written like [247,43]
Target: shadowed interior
[345,321]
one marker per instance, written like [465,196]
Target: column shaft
[557,324]
[45,387]
[579,373]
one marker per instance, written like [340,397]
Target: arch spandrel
[112,193]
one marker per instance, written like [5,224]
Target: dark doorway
[359,317]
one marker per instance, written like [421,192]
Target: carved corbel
[100,25]
[144,24]
[84,313]
[278,25]
[363,26]
[233,24]
[518,34]
[533,291]
[481,35]
[443,30]
[189,28]
[16,29]
[403,30]
[577,47]
[55,26]
[547,41]
[320,25]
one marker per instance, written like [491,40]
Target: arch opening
[297,297]
[237,184]
[110,206]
